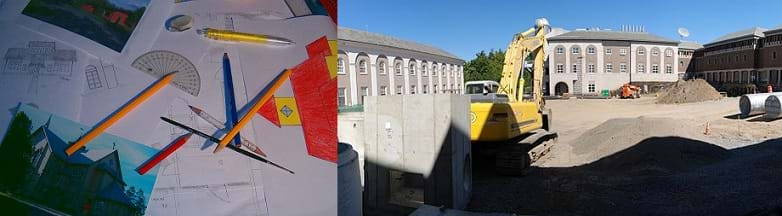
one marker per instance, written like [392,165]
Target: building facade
[370,64]
[586,62]
[744,58]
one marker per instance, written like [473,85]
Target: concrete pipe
[349,181]
[753,104]
[773,107]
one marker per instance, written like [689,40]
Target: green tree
[485,66]
[16,149]
[136,196]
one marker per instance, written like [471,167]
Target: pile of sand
[646,145]
[696,90]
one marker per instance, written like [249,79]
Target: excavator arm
[530,42]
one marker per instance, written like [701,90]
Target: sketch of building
[101,76]
[39,58]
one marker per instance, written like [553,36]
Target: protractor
[160,62]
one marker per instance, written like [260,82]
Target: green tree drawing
[16,150]
[136,196]
[485,66]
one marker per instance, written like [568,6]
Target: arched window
[398,68]
[423,71]
[381,67]
[411,68]
[434,69]
[362,67]
[340,66]
[442,72]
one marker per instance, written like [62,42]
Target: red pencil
[163,154]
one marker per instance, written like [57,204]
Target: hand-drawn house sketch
[40,58]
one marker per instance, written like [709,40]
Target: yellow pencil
[251,112]
[125,109]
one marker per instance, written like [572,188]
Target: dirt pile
[645,145]
[696,90]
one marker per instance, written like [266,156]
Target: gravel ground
[635,157]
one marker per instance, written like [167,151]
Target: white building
[585,62]
[371,64]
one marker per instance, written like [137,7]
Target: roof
[774,30]
[65,55]
[690,45]
[82,156]
[348,34]
[754,31]
[16,53]
[612,36]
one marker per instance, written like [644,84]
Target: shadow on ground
[657,176]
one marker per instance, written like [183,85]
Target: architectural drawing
[40,58]
[101,76]
[235,182]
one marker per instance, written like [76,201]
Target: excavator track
[513,159]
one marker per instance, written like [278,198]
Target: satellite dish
[683,32]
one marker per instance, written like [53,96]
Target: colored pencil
[217,124]
[232,147]
[163,154]
[266,95]
[230,99]
[121,112]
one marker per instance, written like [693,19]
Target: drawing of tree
[136,196]
[16,150]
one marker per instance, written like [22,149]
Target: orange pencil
[116,116]
[276,83]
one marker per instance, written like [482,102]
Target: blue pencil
[230,102]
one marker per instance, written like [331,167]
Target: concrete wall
[421,134]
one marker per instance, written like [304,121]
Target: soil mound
[682,91]
[647,145]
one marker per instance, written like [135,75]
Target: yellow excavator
[510,122]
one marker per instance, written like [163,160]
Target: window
[435,89]
[383,90]
[381,68]
[575,50]
[591,68]
[623,67]
[423,70]
[623,51]
[364,93]
[774,55]
[745,57]
[681,63]
[668,53]
[340,66]
[590,50]
[560,68]
[575,68]
[668,69]
[591,87]
[398,68]
[655,52]
[560,50]
[399,89]
[434,70]
[362,67]
[444,90]
[609,51]
[641,51]
[442,72]
[451,69]
[341,100]
[641,68]
[412,89]
[411,68]
[425,90]
[609,68]
[655,68]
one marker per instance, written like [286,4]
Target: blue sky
[465,27]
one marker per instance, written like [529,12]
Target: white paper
[32,74]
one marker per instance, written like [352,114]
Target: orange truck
[630,91]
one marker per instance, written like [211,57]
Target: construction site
[503,148]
